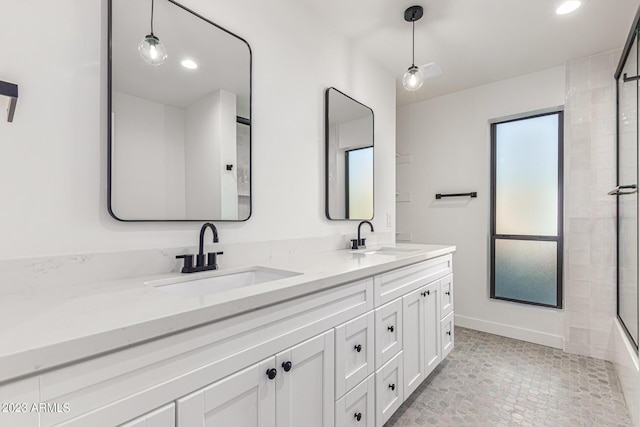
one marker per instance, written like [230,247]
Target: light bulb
[412,79]
[568,7]
[152,51]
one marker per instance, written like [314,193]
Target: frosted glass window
[526,209]
[360,183]
[526,270]
[527,176]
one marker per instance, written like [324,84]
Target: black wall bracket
[10,90]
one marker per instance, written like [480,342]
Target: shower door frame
[634,35]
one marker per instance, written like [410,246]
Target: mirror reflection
[180,125]
[349,157]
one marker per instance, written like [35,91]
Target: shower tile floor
[488,380]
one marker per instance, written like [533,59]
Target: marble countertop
[61,324]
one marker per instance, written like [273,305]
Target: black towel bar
[472,194]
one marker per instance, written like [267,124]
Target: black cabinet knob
[286,366]
[425,293]
[448,333]
[358,348]
[392,386]
[271,373]
[447,293]
[390,328]
[358,416]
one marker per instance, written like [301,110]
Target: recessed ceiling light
[568,7]
[190,64]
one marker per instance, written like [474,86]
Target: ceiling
[476,42]
[185,36]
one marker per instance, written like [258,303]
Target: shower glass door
[626,193]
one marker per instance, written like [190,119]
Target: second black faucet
[359,242]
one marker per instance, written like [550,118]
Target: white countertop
[61,324]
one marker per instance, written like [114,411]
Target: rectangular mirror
[179,128]
[349,157]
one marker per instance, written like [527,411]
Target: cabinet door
[357,408]
[163,417]
[389,389]
[388,331]
[446,298]
[432,348]
[447,335]
[413,340]
[305,388]
[244,399]
[354,352]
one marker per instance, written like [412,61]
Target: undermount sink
[390,251]
[195,286]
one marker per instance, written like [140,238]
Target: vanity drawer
[354,352]
[446,296]
[389,395]
[388,331]
[447,335]
[357,408]
[396,283]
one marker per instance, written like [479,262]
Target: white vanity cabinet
[422,333]
[357,408]
[304,389]
[355,351]
[162,417]
[293,388]
[348,355]
[244,399]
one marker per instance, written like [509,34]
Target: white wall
[448,139]
[53,157]
[210,142]
[150,135]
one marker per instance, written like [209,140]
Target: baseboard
[628,369]
[536,337]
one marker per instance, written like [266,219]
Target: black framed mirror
[179,127]
[349,158]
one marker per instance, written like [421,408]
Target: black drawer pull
[286,366]
[425,293]
[358,348]
[448,333]
[358,416]
[392,386]
[448,293]
[390,328]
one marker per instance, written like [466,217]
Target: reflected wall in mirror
[180,131]
[349,157]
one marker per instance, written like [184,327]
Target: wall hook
[10,90]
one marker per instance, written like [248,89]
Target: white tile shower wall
[53,156]
[590,214]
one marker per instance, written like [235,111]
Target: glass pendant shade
[152,51]
[413,79]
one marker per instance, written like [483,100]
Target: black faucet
[359,242]
[212,257]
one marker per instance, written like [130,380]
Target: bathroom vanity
[342,343]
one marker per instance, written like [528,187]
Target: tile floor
[488,380]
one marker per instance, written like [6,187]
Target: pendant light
[413,78]
[151,50]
